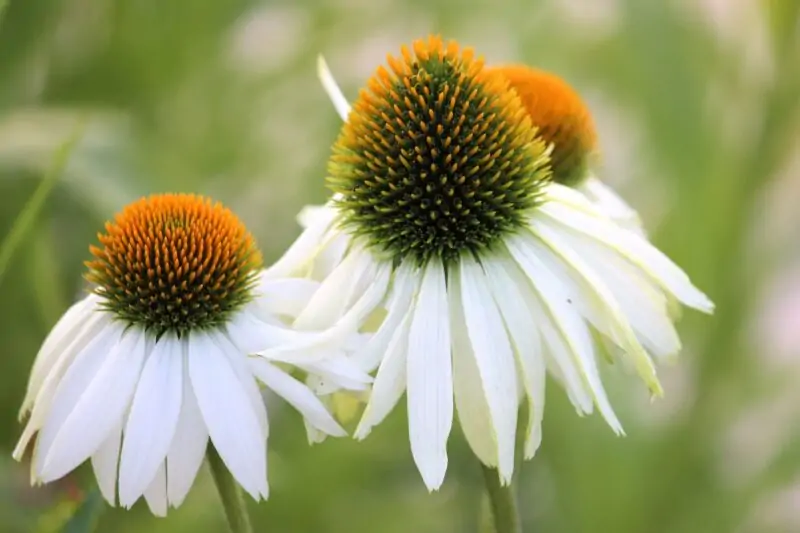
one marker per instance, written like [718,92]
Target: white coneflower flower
[445,224]
[140,374]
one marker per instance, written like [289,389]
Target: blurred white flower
[139,375]
[475,273]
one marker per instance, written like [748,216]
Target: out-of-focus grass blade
[85,518]
[28,215]
[3,5]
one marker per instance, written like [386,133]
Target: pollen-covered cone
[141,374]
[486,275]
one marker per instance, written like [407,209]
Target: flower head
[175,263]
[143,372]
[483,275]
[438,157]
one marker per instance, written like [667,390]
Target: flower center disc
[561,116]
[438,157]
[174,262]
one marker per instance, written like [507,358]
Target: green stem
[503,503]
[230,493]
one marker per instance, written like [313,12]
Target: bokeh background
[697,106]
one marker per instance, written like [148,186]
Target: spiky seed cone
[174,262]
[438,157]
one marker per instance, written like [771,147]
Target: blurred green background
[697,106]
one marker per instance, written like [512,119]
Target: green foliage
[220,98]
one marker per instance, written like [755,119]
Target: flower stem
[503,503]
[230,493]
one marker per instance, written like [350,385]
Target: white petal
[301,253]
[68,391]
[340,372]
[343,330]
[590,291]
[156,493]
[640,300]
[430,377]
[104,463]
[369,356]
[188,447]
[63,333]
[297,395]
[635,249]
[494,359]
[251,335]
[329,257]
[238,362]
[312,214]
[288,296]
[152,419]
[332,88]
[390,381]
[99,409]
[95,325]
[608,202]
[512,292]
[470,398]
[569,326]
[228,413]
[336,292]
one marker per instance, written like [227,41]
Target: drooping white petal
[603,311]
[641,301]
[152,419]
[336,292]
[332,88]
[369,356]
[252,335]
[228,414]
[608,202]
[343,330]
[339,372]
[97,325]
[329,256]
[312,214]
[302,250]
[634,248]
[568,324]
[297,395]
[188,447]
[430,377]
[286,297]
[66,388]
[494,360]
[238,362]
[390,380]
[54,346]
[156,493]
[99,409]
[474,415]
[560,358]
[105,462]
[512,293]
